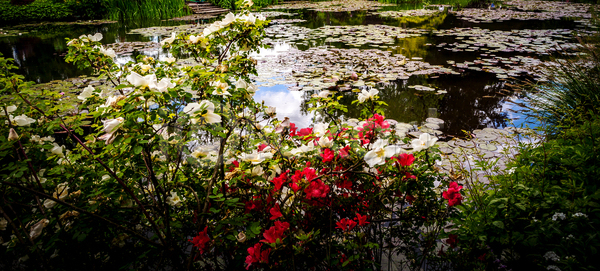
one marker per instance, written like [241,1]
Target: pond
[436,62]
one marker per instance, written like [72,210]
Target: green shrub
[40,10]
[549,205]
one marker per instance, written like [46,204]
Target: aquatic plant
[155,9]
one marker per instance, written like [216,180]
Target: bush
[40,10]
[545,213]
[170,167]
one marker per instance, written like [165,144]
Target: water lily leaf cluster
[333,6]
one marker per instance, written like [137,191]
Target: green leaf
[137,149]
[498,224]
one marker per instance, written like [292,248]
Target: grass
[146,9]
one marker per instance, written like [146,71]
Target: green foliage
[170,166]
[550,202]
[40,10]
[141,9]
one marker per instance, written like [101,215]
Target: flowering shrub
[179,167]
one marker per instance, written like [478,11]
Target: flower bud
[12,135]
[241,237]
[222,68]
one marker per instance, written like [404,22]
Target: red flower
[295,187]
[261,147]
[346,224]
[256,256]
[293,129]
[327,155]
[275,212]
[345,151]
[305,131]
[316,189]
[452,240]
[275,232]
[405,159]
[278,181]
[453,194]
[410,199]
[282,225]
[201,240]
[362,219]
[344,184]
[309,173]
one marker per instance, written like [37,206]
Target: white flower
[229,18]
[379,152]
[423,142]
[220,88]
[511,170]
[107,52]
[257,171]
[148,81]
[36,229]
[57,150]
[324,94]
[204,109]
[211,29]
[21,120]
[170,59]
[248,18]
[302,149]
[86,93]
[271,110]
[110,127]
[96,37]
[550,255]
[320,129]
[553,268]
[170,39]
[12,135]
[247,3]
[255,157]
[174,199]
[367,95]
[325,142]
[145,67]
[10,109]
[194,39]
[163,85]
[201,151]
[560,216]
[48,203]
[580,215]
[251,88]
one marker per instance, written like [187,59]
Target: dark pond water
[473,100]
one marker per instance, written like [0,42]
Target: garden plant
[178,167]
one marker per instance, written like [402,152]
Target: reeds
[146,9]
[572,92]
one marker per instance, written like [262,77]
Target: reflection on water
[472,101]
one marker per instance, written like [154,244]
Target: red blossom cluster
[453,194]
[275,232]
[200,241]
[257,256]
[348,224]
